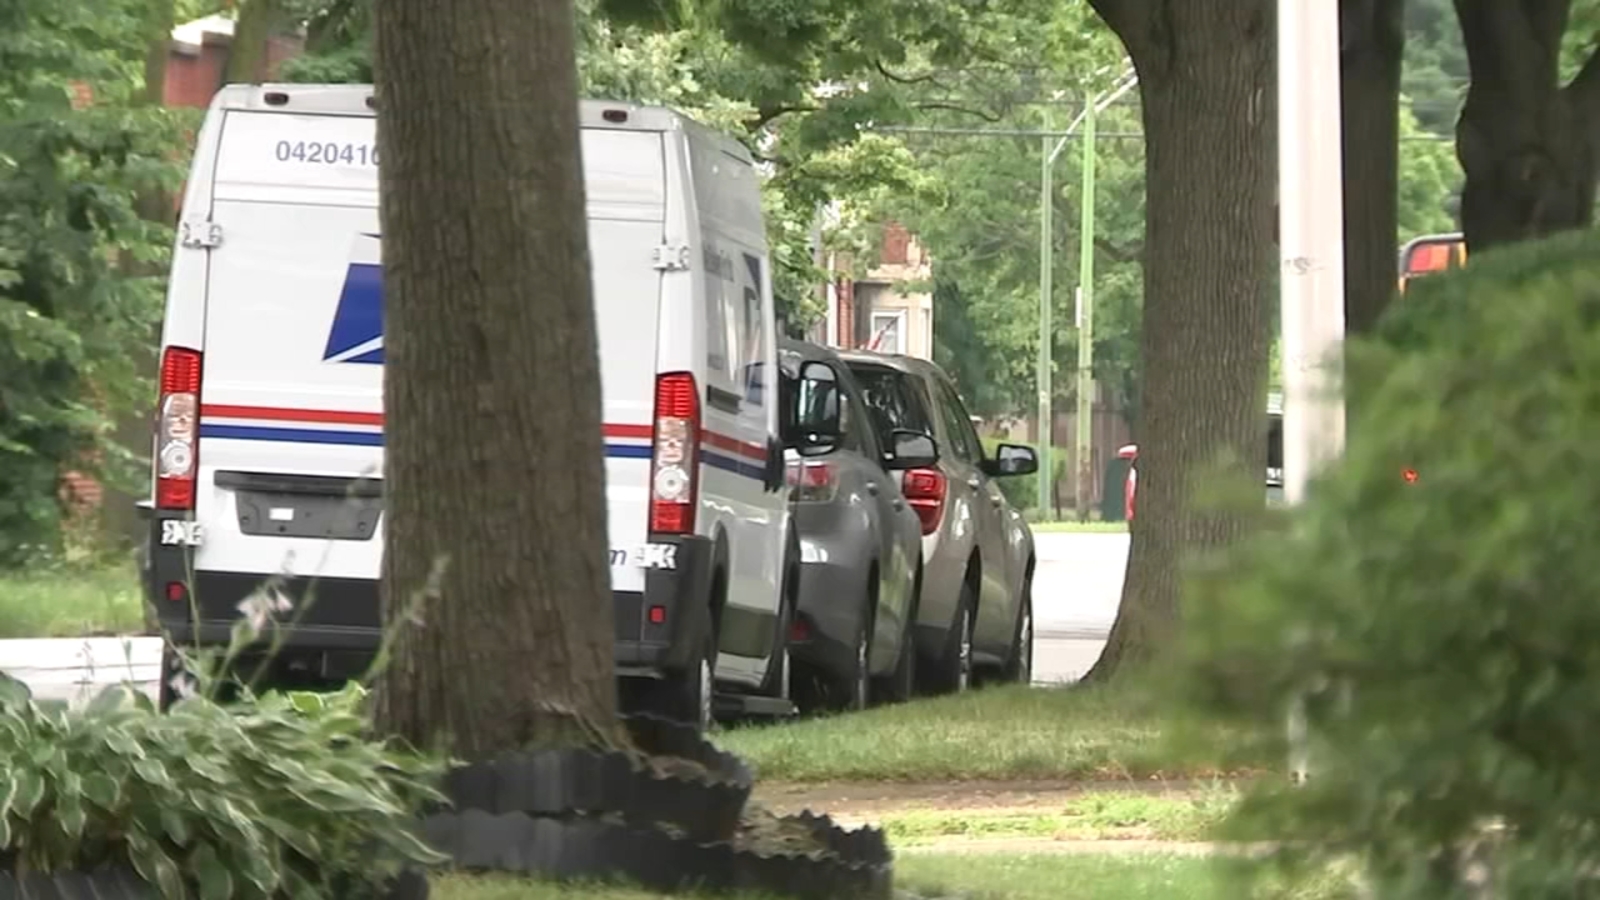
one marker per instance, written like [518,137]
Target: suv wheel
[1019,667]
[952,673]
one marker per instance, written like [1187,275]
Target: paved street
[1076,588]
[1075,592]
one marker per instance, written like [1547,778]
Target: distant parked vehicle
[860,541]
[1274,479]
[976,611]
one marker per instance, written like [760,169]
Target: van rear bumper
[338,620]
[682,597]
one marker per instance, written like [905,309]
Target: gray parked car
[860,541]
[976,610]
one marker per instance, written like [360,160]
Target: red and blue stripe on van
[365,429]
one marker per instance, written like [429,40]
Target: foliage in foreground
[81,272]
[1445,633]
[284,797]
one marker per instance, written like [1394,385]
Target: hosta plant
[267,799]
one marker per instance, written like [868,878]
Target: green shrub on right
[1445,633]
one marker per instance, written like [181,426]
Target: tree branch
[1119,254]
[901,79]
[767,114]
[956,108]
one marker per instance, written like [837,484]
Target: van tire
[687,696]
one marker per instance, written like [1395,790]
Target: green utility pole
[1085,443]
[1046,344]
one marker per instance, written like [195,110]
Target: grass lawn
[974,877]
[1092,732]
[70,602]
[1079,527]
[1093,816]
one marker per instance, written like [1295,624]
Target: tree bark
[1526,143]
[1372,44]
[247,52]
[1206,73]
[494,462]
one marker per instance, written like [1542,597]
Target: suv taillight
[674,465]
[177,428]
[813,481]
[924,489]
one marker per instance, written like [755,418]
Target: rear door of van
[291,439]
[626,188]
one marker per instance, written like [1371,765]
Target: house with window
[888,307]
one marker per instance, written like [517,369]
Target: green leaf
[154,773]
[175,825]
[70,815]
[102,790]
[29,783]
[14,694]
[214,879]
[109,700]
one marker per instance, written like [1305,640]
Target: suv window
[893,399]
[962,435]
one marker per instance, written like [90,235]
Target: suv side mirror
[911,450]
[816,426]
[1012,459]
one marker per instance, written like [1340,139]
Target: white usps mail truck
[268,453]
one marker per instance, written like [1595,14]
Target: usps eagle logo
[356,335]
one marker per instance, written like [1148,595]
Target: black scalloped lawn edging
[108,883]
[692,786]
[123,883]
[856,865]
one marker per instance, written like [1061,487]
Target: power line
[1068,135]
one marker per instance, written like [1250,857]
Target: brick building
[880,309]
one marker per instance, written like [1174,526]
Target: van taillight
[924,490]
[674,466]
[177,428]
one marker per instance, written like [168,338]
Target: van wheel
[952,673]
[687,696]
[171,673]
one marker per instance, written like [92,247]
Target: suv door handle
[974,482]
[872,488]
[898,504]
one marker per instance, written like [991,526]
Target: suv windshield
[894,400]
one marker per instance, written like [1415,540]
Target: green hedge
[1443,634]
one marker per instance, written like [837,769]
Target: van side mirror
[910,450]
[1011,459]
[817,425]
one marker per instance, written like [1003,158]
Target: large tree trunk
[1372,44]
[247,52]
[493,472]
[1206,73]
[1527,144]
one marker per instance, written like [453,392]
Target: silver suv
[976,609]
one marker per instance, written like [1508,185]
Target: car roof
[792,352]
[911,365]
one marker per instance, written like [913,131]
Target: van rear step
[753,706]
